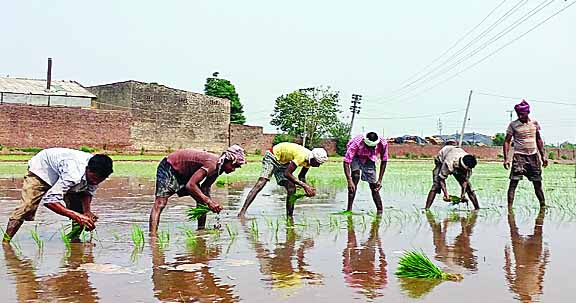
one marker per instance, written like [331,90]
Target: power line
[531,100]
[489,55]
[411,117]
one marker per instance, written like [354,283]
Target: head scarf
[235,154]
[319,154]
[370,143]
[522,107]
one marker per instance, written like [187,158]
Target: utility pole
[510,112]
[355,109]
[465,118]
[439,126]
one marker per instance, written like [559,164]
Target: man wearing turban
[282,160]
[191,172]
[528,156]
[362,152]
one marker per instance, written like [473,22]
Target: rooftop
[38,87]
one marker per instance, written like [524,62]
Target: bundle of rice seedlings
[415,264]
[194,213]
[299,194]
[75,232]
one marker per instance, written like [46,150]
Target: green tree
[224,89]
[307,113]
[498,139]
[340,133]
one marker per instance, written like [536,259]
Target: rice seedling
[189,238]
[163,239]
[194,213]
[137,236]
[254,229]
[36,237]
[415,264]
[231,232]
[65,239]
[16,245]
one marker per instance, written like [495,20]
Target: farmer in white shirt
[64,180]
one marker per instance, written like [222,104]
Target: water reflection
[364,266]
[526,262]
[459,252]
[69,285]
[278,264]
[189,277]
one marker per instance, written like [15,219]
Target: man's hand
[215,206]
[545,163]
[91,215]
[378,186]
[351,186]
[507,164]
[310,191]
[85,221]
[446,198]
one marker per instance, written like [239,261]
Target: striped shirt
[524,136]
[357,149]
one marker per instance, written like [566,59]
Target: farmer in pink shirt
[362,152]
[528,156]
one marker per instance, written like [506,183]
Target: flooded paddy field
[321,256]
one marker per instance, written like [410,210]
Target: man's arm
[86,203]
[381,174]
[540,145]
[302,174]
[54,200]
[444,189]
[207,185]
[506,150]
[60,209]
[289,174]
[196,192]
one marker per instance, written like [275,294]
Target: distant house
[36,92]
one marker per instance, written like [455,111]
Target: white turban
[319,154]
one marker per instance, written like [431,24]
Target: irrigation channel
[320,257]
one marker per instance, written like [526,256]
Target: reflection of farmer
[64,180]
[282,161]
[192,285]
[460,252]
[279,265]
[71,284]
[192,172]
[452,160]
[362,152]
[526,276]
[361,267]
[528,152]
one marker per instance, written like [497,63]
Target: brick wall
[43,126]
[168,118]
[251,138]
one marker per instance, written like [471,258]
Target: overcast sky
[268,48]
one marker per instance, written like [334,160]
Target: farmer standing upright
[362,152]
[528,156]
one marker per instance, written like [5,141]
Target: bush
[142,150]
[33,150]
[564,157]
[279,138]
[257,151]
[1,147]
[500,156]
[552,155]
[86,149]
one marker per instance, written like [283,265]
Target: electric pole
[510,112]
[465,118]
[355,109]
[439,126]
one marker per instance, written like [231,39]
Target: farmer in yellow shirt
[282,161]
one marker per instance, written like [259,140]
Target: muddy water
[319,258]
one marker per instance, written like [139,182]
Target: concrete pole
[465,118]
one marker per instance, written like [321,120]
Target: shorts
[368,169]
[33,189]
[168,181]
[271,166]
[526,165]
[458,175]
